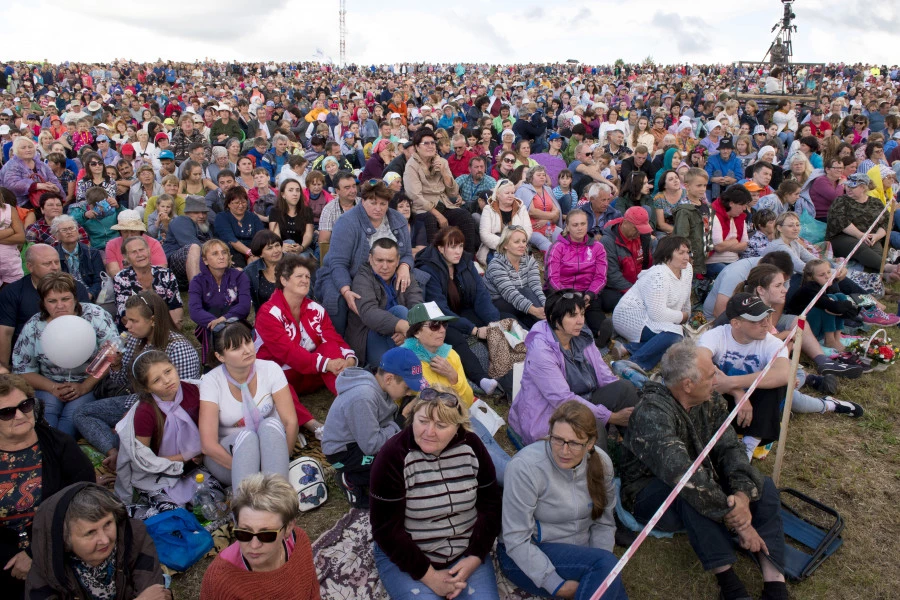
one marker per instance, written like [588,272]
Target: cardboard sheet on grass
[346,564]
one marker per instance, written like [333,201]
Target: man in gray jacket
[364,416]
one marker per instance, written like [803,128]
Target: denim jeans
[61,415]
[498,455]
[482,583]
[96,421]
[649,351]
[588,566]
[787,138]
[713,269]
[377,344]
[711,540]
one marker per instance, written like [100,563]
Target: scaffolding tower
[343,30]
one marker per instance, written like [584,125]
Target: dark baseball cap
[747,307]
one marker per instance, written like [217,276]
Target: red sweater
[279,337]
[460,166]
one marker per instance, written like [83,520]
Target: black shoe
[624,537]
[845,407]
[827,384]
[833,367]
[356,497]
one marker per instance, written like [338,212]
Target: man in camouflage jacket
[725,498]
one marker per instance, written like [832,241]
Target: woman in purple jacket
[218,294]
[563,363]
[24,175]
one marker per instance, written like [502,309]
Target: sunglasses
[266,537]
[509,160]
[432,395]
[435,325]
[571,295]
[94,163]
[8,413]
[515,228]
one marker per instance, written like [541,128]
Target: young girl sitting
[826,318]
[564,193]
[763,233]
[159,447]
[743,149]
[158,222]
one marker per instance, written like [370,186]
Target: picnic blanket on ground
[346,565]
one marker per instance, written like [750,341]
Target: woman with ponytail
[558,501]
[159,447]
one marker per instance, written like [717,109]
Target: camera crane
[781,51]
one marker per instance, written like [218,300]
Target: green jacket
[662,440]
[689,223]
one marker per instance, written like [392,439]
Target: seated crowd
[371,237]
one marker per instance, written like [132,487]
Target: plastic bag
[179,538]
[482,412]
[107,292]
[811,230]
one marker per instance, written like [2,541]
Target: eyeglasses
[432,395]
[426,143]
[67,229]
[266,537]
[559,443]
[435,325]
[8,413]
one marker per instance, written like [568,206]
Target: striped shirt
[430,510]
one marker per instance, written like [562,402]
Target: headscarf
[667,164]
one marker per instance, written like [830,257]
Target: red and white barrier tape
[801,323]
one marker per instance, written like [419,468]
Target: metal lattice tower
[343,30]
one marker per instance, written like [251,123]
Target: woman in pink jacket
[578,262]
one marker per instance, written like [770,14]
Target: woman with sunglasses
[95,175]
[563,363]
[159,441]
[504,165]
[558,505]
[503,210]
[434,525]
[272,557]
[33,457]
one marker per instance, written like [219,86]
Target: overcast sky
[592,31]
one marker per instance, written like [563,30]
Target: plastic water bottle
[624,371]
[105,357]
[207,503]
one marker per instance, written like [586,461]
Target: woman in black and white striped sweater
[435,505]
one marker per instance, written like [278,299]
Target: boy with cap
[740,350]
[364,416]
[723,168]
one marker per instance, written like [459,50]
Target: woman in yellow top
[441,365]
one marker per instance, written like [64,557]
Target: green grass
[850,465]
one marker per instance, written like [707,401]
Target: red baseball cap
[638,217]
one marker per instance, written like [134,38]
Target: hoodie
[577,265]
[694,223]
[51,574]
[361,414]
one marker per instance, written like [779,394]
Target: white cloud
[502,32]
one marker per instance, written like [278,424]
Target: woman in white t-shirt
[247,419]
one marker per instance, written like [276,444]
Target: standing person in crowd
[420,539]
[558,504]
[247,420]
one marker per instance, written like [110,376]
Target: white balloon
[69,341]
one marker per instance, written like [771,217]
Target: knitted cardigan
[295,579]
